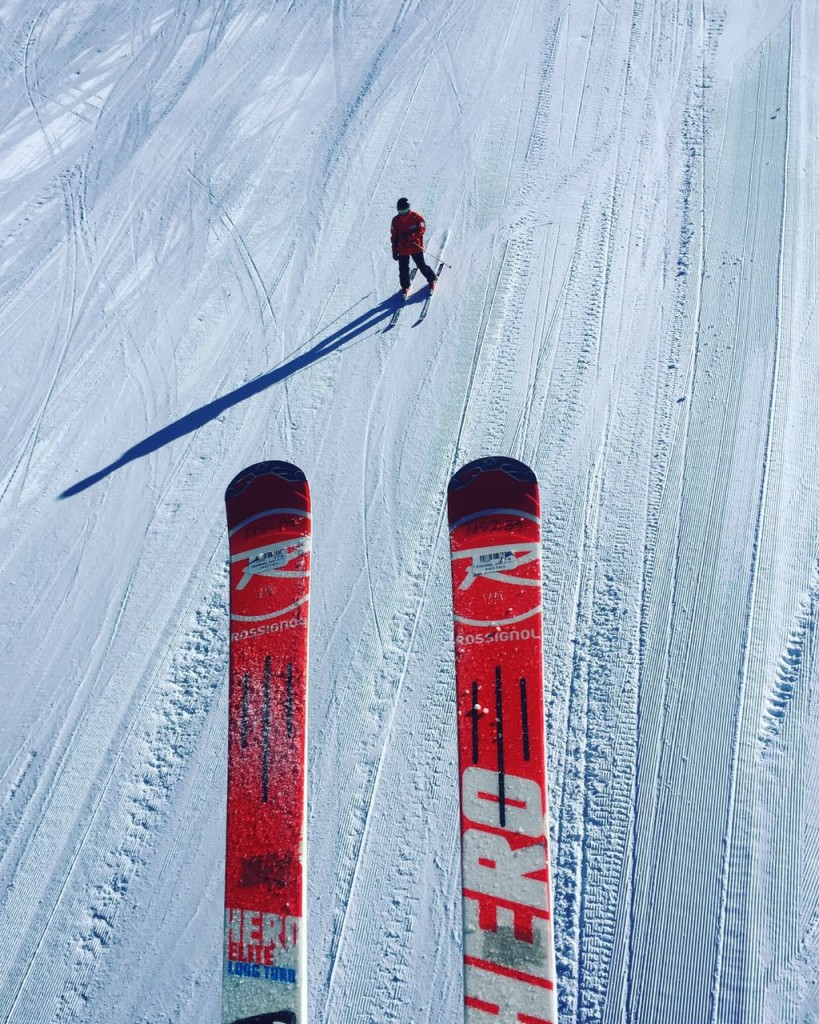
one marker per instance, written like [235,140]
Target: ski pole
[432,254]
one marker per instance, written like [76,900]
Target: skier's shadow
[199,417]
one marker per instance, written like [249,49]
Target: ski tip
[284,470]
[485,487]
[492,463]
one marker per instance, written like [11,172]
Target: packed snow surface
[195,275]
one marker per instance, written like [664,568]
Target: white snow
[195,275]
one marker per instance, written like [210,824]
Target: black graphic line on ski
[266,732]
[499,725]
[475,714]
[245,729]
[289,701]
[524,718]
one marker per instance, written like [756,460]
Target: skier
[407,236]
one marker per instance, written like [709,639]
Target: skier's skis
[425,308]
[401,303]
[509,965]
[265,976]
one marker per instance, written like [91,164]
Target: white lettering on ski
[507,965]
[492,868]
[504,998]
[257,937]
[523,801]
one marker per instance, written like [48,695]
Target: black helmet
[403,205]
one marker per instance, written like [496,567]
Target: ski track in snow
[196,276]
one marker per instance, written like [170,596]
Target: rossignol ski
[265,977]
[425,308]
[509,963]
[401,303]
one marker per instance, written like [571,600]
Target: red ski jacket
[407,233]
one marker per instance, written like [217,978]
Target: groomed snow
[195,275]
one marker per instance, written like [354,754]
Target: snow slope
[195,275]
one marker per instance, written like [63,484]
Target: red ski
[509,965]
[265,977]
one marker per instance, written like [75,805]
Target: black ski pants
[420,262]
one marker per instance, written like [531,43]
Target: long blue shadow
[199,417]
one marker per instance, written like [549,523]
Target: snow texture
[195,275]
